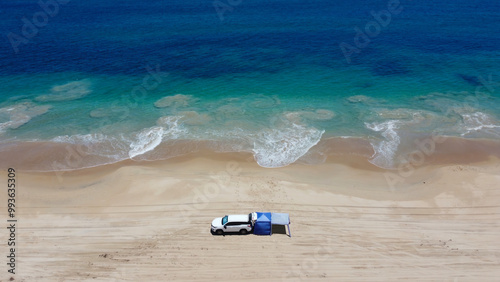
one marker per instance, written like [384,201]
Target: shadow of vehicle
[231,233]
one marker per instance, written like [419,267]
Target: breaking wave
[478,121]
[278,147]
[98,144]
[118,148]
[276,136]
[400,123]
[385,150]
[169,127]
[146,140]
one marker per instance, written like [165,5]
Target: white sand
[151,223]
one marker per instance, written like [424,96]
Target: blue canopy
[262,224]
[265,220]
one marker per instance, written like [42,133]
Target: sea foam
[397,122]
[113,147]
[168,127]
[478,121]
[278,147]
[126,146]
[385,150]
[146,140]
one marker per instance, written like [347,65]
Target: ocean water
[288,81]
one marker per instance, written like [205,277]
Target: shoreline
[45,156]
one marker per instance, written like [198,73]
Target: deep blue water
[260,73]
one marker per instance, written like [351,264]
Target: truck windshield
[224,220]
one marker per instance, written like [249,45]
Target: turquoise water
[125,78]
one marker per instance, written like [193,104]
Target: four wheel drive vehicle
[239,223]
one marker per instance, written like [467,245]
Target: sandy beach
[151,222]
[127,127]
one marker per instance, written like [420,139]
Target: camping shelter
[265,220]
